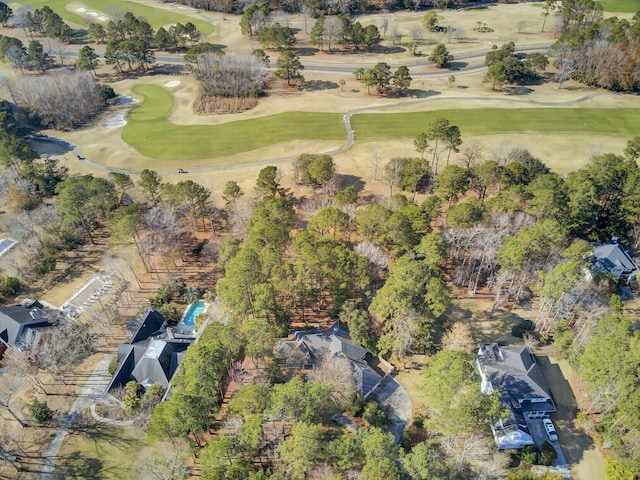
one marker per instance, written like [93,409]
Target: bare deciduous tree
[171,465]
[61,101]
[458,337]
[336,371]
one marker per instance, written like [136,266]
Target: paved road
[92,390]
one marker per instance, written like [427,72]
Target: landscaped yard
[103,452]
[157,17]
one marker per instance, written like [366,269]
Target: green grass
[622,6]
[102,452]
[615,122]
[155,16]
[149,131]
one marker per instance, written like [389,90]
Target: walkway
[92,390]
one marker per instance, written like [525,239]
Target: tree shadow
[306,51]
[415,93]
[315,85]
[75,465]
[387,50]
[517,90]
[457,65]
[354,181]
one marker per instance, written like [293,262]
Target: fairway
[484,121]
[623,6]
[156,17]
[149,131]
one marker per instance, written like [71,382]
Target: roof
[18,321]
[513,371]
[308,348]
[152,355]
[611,257]
[151,324]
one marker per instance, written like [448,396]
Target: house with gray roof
[306,350]
[24,325]
[152,355]
[514,373]
[614,259]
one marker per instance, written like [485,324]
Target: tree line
[596,51]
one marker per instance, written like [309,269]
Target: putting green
[156,17]
[485,121]
[149,131]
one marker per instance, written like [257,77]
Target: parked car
[551,429]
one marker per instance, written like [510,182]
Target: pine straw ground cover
[157,17]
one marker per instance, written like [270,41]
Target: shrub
[373,415]
[9,286]
[529,454]
[40,411]
[522,328]
[548,454]
[113,365]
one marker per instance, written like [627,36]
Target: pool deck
[182,328]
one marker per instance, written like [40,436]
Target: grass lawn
[483,121]
[102,452]
[149,131]
[157,17]
[623,6]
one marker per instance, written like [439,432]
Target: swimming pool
[195,309]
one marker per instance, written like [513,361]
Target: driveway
[539,434]
[395,402]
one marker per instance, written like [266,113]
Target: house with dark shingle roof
[24,325]
[612,258]
[514,373]
[305,350]
[152,355]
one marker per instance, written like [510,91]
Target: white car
[550,429]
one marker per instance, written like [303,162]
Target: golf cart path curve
[347,124]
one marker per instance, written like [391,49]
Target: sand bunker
[116,121]
[102,18]
[172,83]
[81,10]
[93,14]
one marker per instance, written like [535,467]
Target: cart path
[347,124]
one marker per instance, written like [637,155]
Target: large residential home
[306,350]
[612,258]
[513,372]
[24,325]
[152,355]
